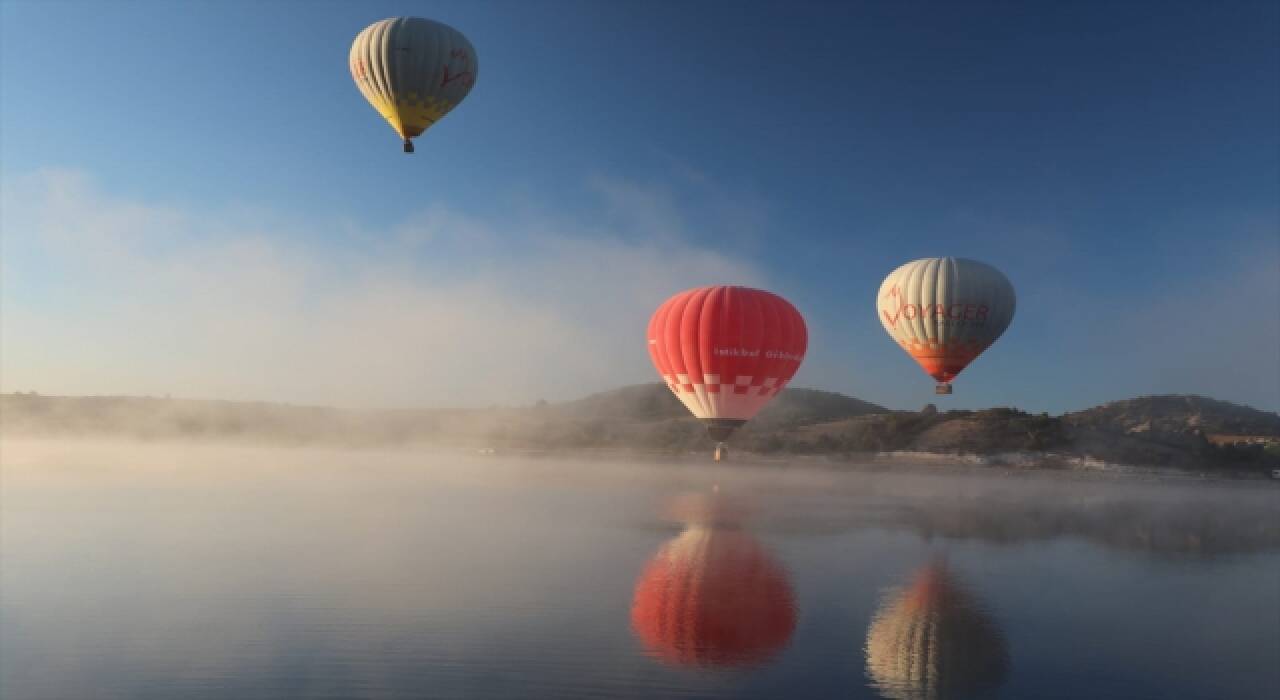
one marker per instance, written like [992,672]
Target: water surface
[163,571]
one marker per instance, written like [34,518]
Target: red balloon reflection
[713,596]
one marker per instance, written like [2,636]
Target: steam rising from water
[179,570]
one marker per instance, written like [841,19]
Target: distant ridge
[655,401]
[1186,432]
[1175,414]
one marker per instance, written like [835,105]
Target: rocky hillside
[1167,416]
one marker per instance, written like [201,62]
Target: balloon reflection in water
[713,596]
[932,641]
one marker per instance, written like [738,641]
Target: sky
[196,201]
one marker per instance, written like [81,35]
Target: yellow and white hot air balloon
[945,311]
[413,71]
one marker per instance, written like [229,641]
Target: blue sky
[1120,162]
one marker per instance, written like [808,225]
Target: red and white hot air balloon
[945,311]
[726,352]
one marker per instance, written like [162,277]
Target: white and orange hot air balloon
[726,352]
[945,312]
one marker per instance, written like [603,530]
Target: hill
[1169,416]
[1187,432]
[655,401]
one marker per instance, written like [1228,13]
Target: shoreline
[1002,464]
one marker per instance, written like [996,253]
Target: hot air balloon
[413,71]
[932,641]
[726,352]
[713,596]
[945,311]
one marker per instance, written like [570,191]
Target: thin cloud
[104,295]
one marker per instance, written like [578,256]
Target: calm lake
[172,571]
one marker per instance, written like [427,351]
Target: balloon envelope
[413,71]
[713,597]
[726,351]
[945,311]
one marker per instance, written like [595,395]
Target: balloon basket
[722,452]
[408,146]
[942,389]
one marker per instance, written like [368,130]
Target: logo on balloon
[465,72]
[954,312]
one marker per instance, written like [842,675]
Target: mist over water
[180,570]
